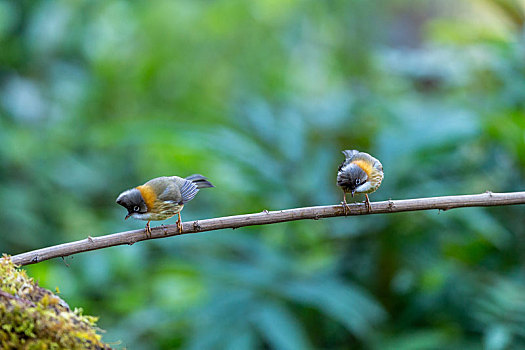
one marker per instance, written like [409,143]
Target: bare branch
[269,217]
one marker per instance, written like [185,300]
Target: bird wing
[179,190]
[165,189]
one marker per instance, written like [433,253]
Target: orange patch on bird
[148,194]
[366,166]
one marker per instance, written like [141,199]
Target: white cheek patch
[364,187]
[145,216]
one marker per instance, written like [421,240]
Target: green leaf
[279,327]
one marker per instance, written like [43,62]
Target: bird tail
[200,181]
[350,153]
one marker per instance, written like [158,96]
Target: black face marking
[351,177]
[132,200]
[359,182]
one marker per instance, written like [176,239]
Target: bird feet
[148,230]
[346,208]
[179,224]
[367,204]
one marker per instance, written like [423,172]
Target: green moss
[32,317]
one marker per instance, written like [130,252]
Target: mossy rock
[32,317]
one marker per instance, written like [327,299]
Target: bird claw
[148,230]
[179,224]
[367,204]
[346,208]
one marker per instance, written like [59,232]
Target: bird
[359,173]
[161,198]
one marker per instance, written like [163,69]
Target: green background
[261,96]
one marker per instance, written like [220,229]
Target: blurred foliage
[261,97]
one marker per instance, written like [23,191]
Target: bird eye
[357,181]
[136,208]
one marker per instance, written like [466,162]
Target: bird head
[356,177]
[133,201]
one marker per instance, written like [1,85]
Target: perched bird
[161,198]
[359,173]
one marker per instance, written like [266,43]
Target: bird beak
[353,193]
[127,216]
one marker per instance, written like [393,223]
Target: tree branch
[269,217]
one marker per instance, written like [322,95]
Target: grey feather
[191,186]
[188,190]
[200,181]
[350,153]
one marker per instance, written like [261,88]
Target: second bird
[359,173]
[161,198]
